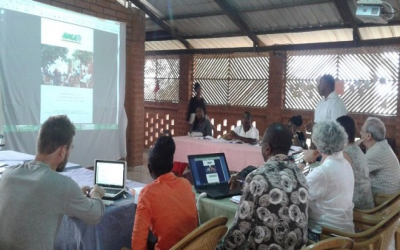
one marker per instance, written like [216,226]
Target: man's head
[55,138]
[197,88]
[349,126]
[161,156]
[372,131]
[326,85]
[247,119]
[277,139]
[294,123]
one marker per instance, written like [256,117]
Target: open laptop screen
[110,173]
[209,169]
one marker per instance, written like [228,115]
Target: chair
[376,237]
[385,208]
[212,231]
[332,243]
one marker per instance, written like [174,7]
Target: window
[233,79]
[370,78]
[161,79]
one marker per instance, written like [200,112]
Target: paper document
[236,199]
[136,195]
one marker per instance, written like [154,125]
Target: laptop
[211,175]
[110,175]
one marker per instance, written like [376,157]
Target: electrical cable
[198,205]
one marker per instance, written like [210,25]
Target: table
[113,232]
[12,158]
[210,208]
[238,156]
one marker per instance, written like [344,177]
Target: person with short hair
[201,124]
[245,132]
[34,197]
[299,139]
[166,206]
[362,197]
[383,165]
[272,213]
[331,185]
[195,102]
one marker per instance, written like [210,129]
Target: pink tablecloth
[238,156]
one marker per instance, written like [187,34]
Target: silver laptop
[110,175]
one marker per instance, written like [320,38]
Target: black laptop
[211,175]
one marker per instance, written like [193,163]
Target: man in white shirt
[331,106]
[245,132]
[384,168]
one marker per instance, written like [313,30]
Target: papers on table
[236,199]
[294,150]
[136,194]
[9,155]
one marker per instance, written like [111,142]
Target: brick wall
[226,116]
[135,37]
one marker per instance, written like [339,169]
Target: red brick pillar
[185,93]
[134,96]
[276,87]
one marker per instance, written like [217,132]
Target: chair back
[386,207]
[208,240]
[377,237]
[332,243]
[195,234]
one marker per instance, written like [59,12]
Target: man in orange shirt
[166,206]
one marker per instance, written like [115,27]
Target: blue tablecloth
[113,232]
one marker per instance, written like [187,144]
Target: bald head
[279,139]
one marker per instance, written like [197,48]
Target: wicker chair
[376,237]
[385,208]
[332,243]
[196,236]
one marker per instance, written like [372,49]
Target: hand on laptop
[236,182]
[85,190]
[97,192]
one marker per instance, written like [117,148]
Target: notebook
[211,175]
[110,175]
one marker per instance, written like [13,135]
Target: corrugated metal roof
[225,42]
[337,35]
[296,17]
[182,7]
[256,4]
[164,45]
[152,26]
[380,32]
[204,25]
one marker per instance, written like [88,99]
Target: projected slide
[55,62]
[67,68]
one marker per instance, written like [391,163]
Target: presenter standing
[329,108]
[195,102]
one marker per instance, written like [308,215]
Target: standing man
[34,197]
[331,106]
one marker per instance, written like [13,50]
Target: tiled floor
[141,173]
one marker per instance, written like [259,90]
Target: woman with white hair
[331,185]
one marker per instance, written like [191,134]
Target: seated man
[34,197]
[384,168]
[245,132]
[272,213]
[166,206]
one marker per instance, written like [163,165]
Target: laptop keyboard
[112,191]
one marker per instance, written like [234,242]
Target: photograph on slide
[66,67]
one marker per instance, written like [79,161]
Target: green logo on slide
[71,37]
